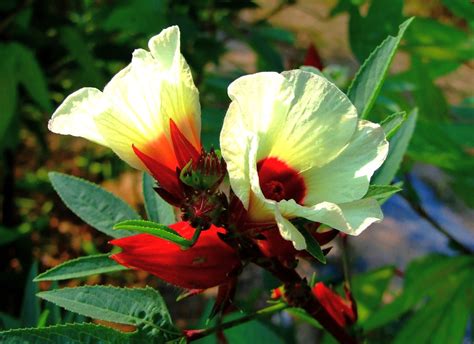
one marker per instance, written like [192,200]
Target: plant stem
[225,325]
[414,201]
[418,208]
[345,259]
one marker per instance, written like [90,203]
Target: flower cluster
[295,153]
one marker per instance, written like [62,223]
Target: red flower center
[279,181]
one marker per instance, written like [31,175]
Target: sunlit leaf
[156,208]
[369,79]
[94,205]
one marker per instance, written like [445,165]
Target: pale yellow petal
[351,218]
[346,178]
[75,116]
[289,232]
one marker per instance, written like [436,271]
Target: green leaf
[428,281]
[443,321]
[365,33]
[303,315]
[156,229]
[54,311]
[30,309]
[449,153]
[369,79]
[8,322]
[31,77]
[138,16]
[81,267]
[429,98]
[368,289]
[461,8]
[8,88]
[398,146]
[382,192]
[312,245]
[392,123]
[70,333]
[141,307]
[94,205]
[72,39]
[8,235]
[157,209]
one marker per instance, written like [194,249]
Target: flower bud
[342,310]
[208,263]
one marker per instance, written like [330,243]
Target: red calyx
[183,149]
[279,181]
[210,262]
[166,178]
[342,310]
[312,58]
[275,246]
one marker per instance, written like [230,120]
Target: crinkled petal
[346,178]
[320,122]
[298,117]
[138,103]
[351,218]
[75,116]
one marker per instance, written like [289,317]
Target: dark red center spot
[279,181]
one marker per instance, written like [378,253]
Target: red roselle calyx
[273,245]
[342,310]
[210,262]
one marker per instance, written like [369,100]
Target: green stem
[345,260]
[228,324]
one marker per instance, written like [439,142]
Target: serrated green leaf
[70,333]
[398,147]
[30,309]
[157,209]
[94,205]
[392,123]
[141,307]
[369,79]
[382,192]
[81,267]
[156,229]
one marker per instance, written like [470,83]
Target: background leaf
[398,146]
[30,309]
[94,205]
[157,209]
[81,267]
